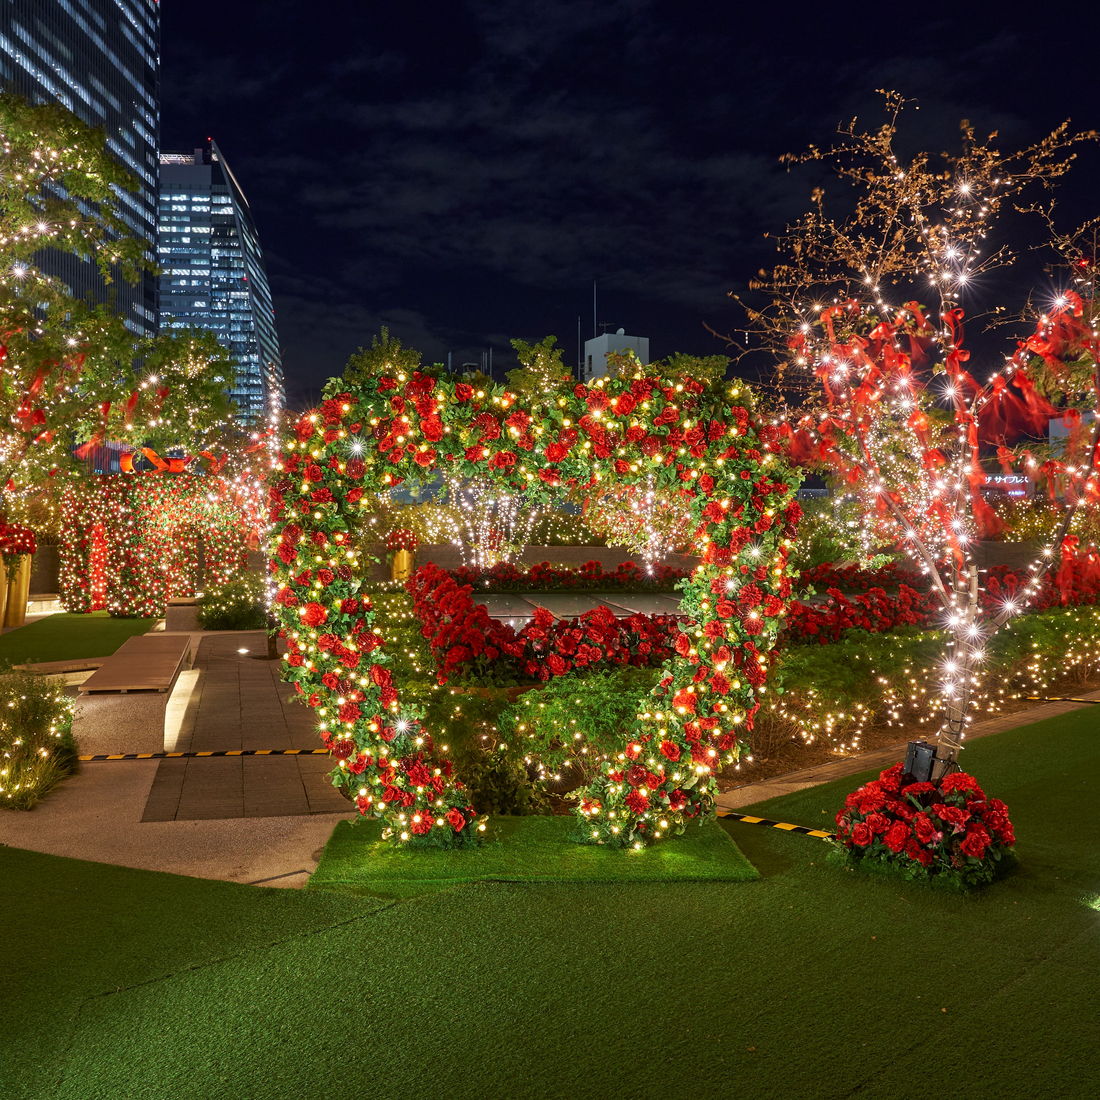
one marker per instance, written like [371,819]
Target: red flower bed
[875,611]
[948,830]
[1075,583]
[465,640]
[505,577]
[852,577]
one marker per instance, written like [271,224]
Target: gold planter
[18,575]
[402,565]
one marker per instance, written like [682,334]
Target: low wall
[448,556]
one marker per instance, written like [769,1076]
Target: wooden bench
[121,706]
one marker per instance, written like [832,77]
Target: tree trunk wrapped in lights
[882,389]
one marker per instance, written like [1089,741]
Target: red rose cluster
[401,538]
[464,639]
[875,611]
[15,539]
[1074,584]
[948,830]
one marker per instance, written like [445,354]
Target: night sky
[461,172]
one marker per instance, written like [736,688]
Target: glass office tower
[101,60]
[213,275]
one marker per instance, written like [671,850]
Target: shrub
[238,604]
[571,725]
[36,746]
[947,831]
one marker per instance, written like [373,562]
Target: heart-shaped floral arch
[693,440]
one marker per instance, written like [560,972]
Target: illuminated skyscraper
[213,276]
[101,60]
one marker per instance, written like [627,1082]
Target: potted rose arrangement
[17,544]
[947,830]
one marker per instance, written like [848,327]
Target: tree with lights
[70,371]
[890,396]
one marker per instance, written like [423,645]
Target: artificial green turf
[810,982]
[521,849]
[66,637]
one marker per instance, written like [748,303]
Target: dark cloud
[462,172]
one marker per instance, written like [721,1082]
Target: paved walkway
[236,701]
[882,758]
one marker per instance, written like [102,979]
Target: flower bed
[948,831]
[466,641]
[544,577]
[1076,583]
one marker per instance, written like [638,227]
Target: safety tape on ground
[786,826]
[1058,699]
[189,755]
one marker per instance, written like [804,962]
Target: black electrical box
[920,759]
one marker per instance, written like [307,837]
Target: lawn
[66,637]
[810,982]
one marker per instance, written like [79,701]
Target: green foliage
[239,604]
[72,370]
[710,369]
[831,531]
[36,747]
[541,368]
[575,722]
[498,781]
[386,354]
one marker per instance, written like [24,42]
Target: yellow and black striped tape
[786,826]
[211,752]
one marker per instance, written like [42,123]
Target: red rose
[555,452]
[418,775]
[456,819]
[862,835]
[425,458]
[422,823]
[349,712]
[463,391]
[313,614]
[670,751]
[624,404]
[502,460]
[897,836]
[975,843]
[637,802]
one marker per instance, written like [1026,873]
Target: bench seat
[121,706]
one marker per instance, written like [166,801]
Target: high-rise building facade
[213,274]
[101,60]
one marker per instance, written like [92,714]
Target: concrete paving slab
[566,605]
[96,815]
[641,603]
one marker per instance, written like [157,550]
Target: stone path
[238,702]
[882,758]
